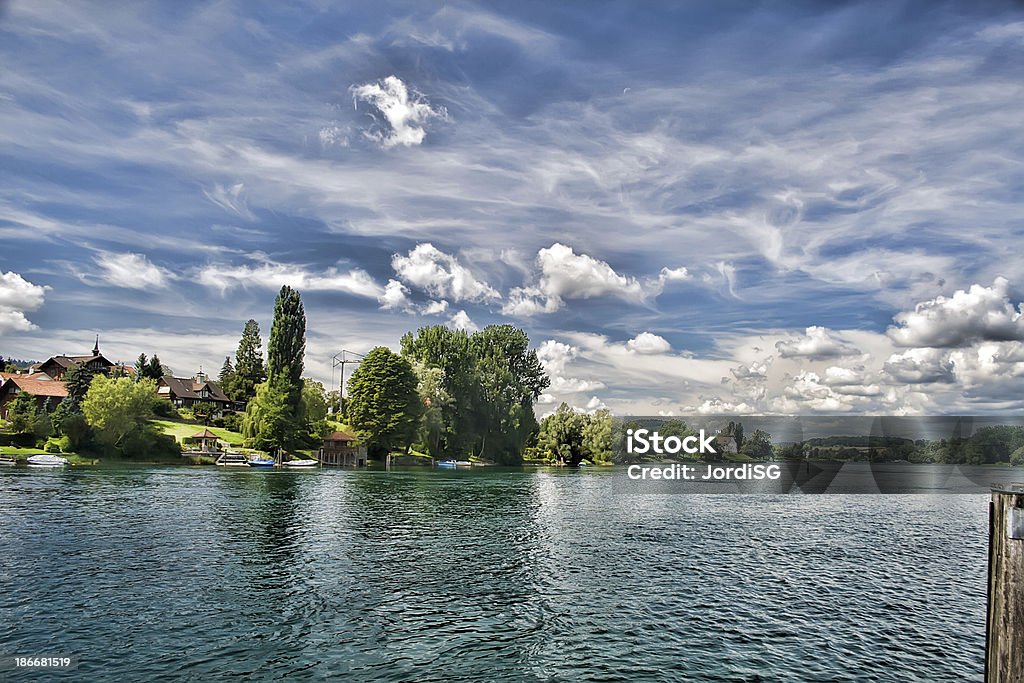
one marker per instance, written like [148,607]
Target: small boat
[260,462]
[232,460]
[301,463]
[448,464]
[7,462]
[46,460]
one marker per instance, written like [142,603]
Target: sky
[778,208]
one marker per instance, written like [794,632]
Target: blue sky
[798,207]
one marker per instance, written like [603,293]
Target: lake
[212,574]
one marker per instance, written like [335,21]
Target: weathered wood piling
[1004,633]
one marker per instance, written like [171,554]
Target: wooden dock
[1004,632]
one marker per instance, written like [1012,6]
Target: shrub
[52,446]
[164,408]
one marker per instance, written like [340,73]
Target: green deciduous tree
[286,349]
[115,407]
[597,437]
[561,436]
[383,404]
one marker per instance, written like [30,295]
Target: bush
[52,446]
[164,408]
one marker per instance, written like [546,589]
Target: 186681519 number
[36,662]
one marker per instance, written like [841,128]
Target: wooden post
[1004,632]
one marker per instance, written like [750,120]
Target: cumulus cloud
[574,385]
[435,307]
[271,275]
[818,343]
[394,296]
[555,355]
[977,314]
[568,275]
[462,321]
[440,274]
[132,271]
[648,343]
[405,114]
[17,296]
[920,366]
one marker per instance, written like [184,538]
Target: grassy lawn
[183,430]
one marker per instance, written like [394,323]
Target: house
[725,444]
[186,392]
[340,449]
[47,392]
[58,366]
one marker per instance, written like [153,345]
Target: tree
[227,372]
[437,405]
[204,410]
[274,416]
[383,405]
[286,349]
[114,408]
[269,422]
[561,436]
[597,437]
[155,369]
[313,409]
[491,380]
[22,413]
[759,445]
[140,366]
[249,367]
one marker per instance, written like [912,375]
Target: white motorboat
[46,460]
[301,463]
[230,459]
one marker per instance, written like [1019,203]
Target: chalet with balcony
[58,366]
[187,392]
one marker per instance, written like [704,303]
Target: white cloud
[405,114]
[920,366]
[574,385]
[555,355]
[440,274]
[232,199]
[271,275]
[978,314]
[394,296]
[435,307]
[529,301]
[648,343]
[132,271]
[461,321]
[18,295]
[818,343]
[568,275]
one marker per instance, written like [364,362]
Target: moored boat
[301,463]
[7,462]
[46,460]
[232,460]
[260,462]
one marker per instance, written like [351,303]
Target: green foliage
[437,408]
[597,437]
[561,436]
[287,346]
[270,420]
[383,405]
[249,369]
[274,417]
[21,414]
[148,369]
[313,410]
[758,446]
[76,430]
[1017,457]
[488,384]
[203,411]
[118,407]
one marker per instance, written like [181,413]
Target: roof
[39,387]
[205,434]
[187,387]
[340,436]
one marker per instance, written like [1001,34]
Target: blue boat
[448,464]
[260,462]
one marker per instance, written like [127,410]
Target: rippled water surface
[206,574]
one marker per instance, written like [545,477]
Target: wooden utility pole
[1004,633]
